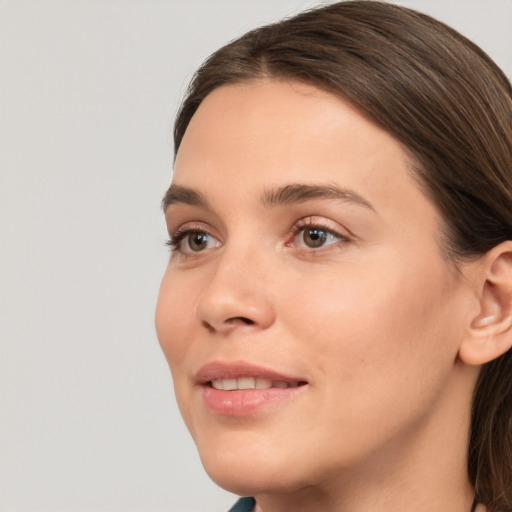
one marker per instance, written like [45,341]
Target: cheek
[383,350]
[376,324]
[173,321]
[174,326]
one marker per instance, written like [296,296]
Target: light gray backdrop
[88,89]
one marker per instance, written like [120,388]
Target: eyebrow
[299,193]
[289,194]
[184,195]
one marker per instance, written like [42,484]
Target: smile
[240,389]
[244,383]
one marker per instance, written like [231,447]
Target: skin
[373,319]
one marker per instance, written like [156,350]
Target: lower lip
[244,402]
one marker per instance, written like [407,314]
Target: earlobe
[490,332]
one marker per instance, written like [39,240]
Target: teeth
[229,384]
[249,383]
[263,383]
[246,383]
[217,384]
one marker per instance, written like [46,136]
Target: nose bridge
[237,292]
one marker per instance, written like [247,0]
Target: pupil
[315,237]
[198,241]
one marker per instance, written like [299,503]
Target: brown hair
[450,105]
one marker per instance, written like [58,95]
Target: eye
[192,241]
[315,237]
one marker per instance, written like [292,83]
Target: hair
[450,106]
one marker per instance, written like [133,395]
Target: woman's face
[309,319]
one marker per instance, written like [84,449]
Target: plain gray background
[88,89]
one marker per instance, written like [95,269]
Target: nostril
[231,322]
[208,326]
[242,319]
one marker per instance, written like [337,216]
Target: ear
[490,333]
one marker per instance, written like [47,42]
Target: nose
[236,295]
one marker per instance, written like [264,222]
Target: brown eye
[192,242]
[197,241]
[314,237]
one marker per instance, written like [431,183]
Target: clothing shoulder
[243,505]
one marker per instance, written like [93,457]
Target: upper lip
[217,370]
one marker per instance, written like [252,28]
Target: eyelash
[174,242]
[302,225]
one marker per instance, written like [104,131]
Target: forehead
[295,111]
[274,132]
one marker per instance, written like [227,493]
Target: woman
[337,307]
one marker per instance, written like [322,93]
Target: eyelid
[320,223]
[177,236]
[190,225]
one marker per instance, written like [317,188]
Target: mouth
[245,383]
[240,389]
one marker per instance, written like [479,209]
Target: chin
[249,480]
[249,471]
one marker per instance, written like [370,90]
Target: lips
[241,389]
[244,374]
